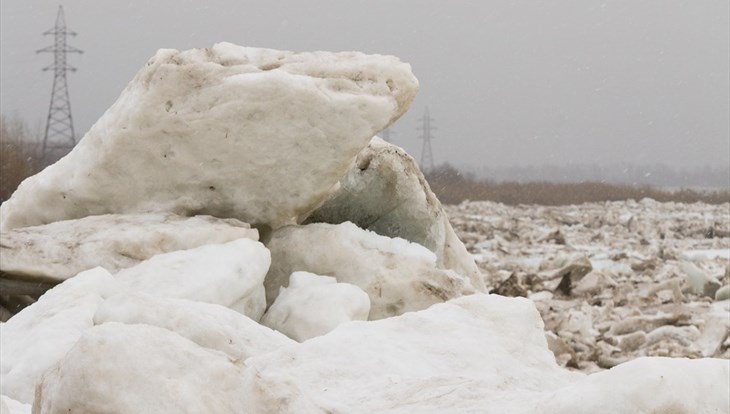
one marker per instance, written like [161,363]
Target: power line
[59,137]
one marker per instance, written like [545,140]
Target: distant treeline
[20,155]
[452,187]
[656,175]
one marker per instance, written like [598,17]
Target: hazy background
[516,88]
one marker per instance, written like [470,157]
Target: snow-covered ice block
[10,406]
[229,274]
[704,255]
[698,281]
[647,385]
[254,134]
[41,334]
[314,305]
[113,241]
[118,368]
[477,353]
[385,192]
[399,276]
[210,326]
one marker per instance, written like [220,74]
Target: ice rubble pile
[613,281]
[228,238]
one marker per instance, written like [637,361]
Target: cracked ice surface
[655,270]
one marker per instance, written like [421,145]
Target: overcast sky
[508,82]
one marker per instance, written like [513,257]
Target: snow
[444,359]
[314,305]
[477,353]
[397,275]
[267,137]
[118,368]
[641,254]
[254,134]
[698,281]
[10,406]
[229,274]
[706,254]
[209,326]
[63,249]
[473,354]
[34,339]
[386,193]
[647,385]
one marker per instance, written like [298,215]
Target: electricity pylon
[387,134]
[59,134]
[426,135]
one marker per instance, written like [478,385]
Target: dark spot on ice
[271,66]
[211,188]
[168,106]
[364,163]
[390,84]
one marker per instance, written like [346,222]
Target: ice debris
[267,137]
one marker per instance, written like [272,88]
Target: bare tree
[20,154]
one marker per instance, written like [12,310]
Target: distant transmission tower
[387,134]
[59,136]
[426,136]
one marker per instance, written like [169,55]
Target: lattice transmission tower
[426,129]
[59,137]
[387,134]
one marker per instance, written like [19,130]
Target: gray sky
[508,83]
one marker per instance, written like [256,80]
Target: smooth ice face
[647,385]
[254,134]
[230,274]
[113,241]
[118,368]
[385,192]
[314,305]
[210,326]
[10,406]
[477,353]
[397,275]
[37,337]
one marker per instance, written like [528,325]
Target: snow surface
[399,276]
[266,137]
[647,385]
[478,353]
[637,250]
[314,305]
[386,193]
[209,326]
[63,249]
[41,334]
[10,406]
[706,254]
[254,134]
[471,353]
[229,274]
[118,368]
[699,282]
